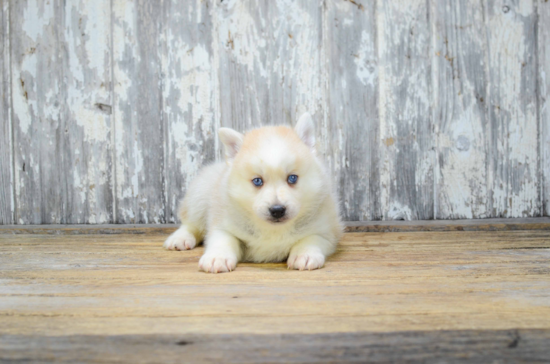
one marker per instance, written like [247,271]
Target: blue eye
[258,182]
[292,179]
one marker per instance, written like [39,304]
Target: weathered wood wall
[425,109]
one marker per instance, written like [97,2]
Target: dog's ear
[306,130]
[232,141]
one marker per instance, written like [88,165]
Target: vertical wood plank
[189,95]
[406,149]
[352,68]
[511,40]
[461,125]
[88,72]
[35,70]
[6,172]
[543,52]
[61,111]
[139,130]
[270,62]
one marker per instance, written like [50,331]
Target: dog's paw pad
[306,261]
[180,240]
[217,263]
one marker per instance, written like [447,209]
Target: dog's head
[274,172]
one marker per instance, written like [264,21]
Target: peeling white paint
[386,131]
[396,211]
[21,87]
[239,34]
[367,72]
[188,91]
[404,101]
[544,102]
[129,159]
[279,55]
[37,16]
[525,7]
[515,191]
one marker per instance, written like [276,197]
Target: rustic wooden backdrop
[425,109]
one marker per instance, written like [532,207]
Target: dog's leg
[222,252]
[193,212]
[185,238]
[193,222]
[309,253]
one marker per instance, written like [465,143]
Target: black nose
[277,211]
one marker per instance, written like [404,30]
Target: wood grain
[60,79]
[6,148]
[543,52]
[514,172]
[462,133]
[270,62]
[434,110]
[79,293]
[38,168]
[406,150]
[189,96]
[139,128]
[353,124]
[459,346]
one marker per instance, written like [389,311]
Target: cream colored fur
[224,208]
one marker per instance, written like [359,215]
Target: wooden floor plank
[71,291]
[504,346]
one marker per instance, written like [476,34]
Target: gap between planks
[541,223]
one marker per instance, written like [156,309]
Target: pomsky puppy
[272,200]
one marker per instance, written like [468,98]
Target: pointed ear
[231,140]
[306,130]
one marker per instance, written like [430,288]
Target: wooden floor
[475,296]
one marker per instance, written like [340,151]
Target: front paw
[217,263]
[181,239]
[306,261]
